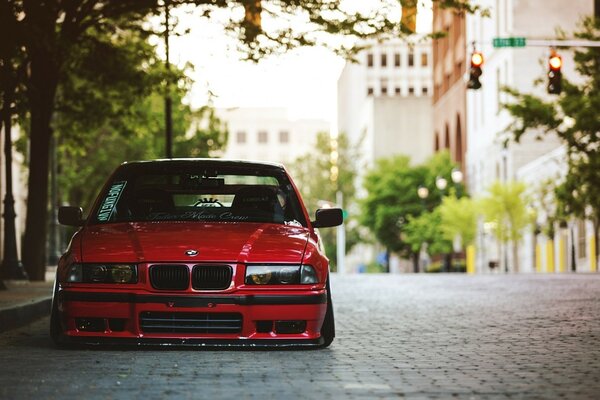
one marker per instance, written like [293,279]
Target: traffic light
[475,71]
[554,74]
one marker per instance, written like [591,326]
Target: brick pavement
[401,336]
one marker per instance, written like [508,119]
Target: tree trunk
[41,93]
[448,262]
[515,249]
[596,223]
[2,286]
[415,259]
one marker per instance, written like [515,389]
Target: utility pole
[168,102]
[340,237]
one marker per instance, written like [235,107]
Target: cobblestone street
[398,336]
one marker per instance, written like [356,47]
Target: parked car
[195,251]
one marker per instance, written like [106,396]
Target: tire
[328,327]
[56,332]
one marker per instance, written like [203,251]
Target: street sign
[509,42]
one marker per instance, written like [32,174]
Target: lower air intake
[161,322]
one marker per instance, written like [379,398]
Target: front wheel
[56,332]
[328,328]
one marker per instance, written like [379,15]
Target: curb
[22,314]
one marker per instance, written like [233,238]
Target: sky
[304,81]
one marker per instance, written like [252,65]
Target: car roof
[208,162]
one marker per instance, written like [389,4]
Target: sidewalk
[25,301]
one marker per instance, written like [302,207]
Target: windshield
[202,195]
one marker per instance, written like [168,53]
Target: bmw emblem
[191,253]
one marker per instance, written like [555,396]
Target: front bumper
[119,318]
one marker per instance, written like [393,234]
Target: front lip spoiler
[194,301]
[247,344]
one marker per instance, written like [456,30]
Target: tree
[574,118]
[505,206]
[110,108]
[312,175]
[458,218]
[426,229]
[392,199]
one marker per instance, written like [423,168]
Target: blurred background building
[384,100]
[269,134]
[489,156]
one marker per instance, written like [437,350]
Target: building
[489,156]
[384,100]
[449,87]
[269,134]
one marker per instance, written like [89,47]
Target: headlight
[280,275]
[102,273]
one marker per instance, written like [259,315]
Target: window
[411,90]
[411,59]
[424,59]
[284,137]
[397,60]
[369,91]
[384,86]
[262,137]
[240,137]
[424,91]
[384,60]
[397,90]
[369,60]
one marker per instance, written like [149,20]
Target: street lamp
[422,192]
[441,182]
[456,175]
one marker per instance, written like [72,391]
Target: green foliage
[392,202]
[312,175]
[505,206]
[574,117]
[113,111]
[458,217]
[425,229]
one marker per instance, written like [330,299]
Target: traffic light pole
[561,43]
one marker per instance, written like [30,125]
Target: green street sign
[509,42]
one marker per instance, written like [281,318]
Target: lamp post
[11,265]
[168,102]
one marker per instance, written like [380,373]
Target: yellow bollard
[538,258]
[471,259]
[593,262]
[550,256]
[562,255]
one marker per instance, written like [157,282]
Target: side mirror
[328,217]
[70,215]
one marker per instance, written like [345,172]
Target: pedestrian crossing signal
[475,71]
[554,74]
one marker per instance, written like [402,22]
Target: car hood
[215,242]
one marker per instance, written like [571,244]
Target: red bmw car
[195,251]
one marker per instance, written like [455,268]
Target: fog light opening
[290,326]
[264,326]
[90,324]
[116,324]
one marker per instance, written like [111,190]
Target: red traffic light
[555,62]
[476,59]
